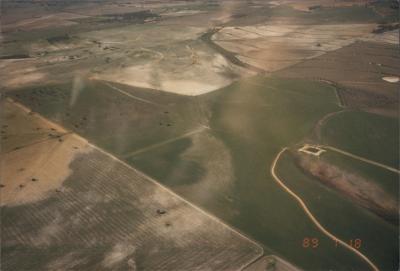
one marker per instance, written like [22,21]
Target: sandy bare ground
[30,173]
[186,75]
[35,156]
[391,79]
[20,128]
[273,47]
[18,120]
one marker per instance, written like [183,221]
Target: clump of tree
[58,38]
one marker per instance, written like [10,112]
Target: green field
[253,119]
[224,168]
[364,134]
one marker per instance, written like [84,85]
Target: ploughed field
[357,71]
[105,215]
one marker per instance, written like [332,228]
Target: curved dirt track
[311,216]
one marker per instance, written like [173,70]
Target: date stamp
[313,243]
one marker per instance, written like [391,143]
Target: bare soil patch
[35,156]
[362,191]
[275,46]
[391,79]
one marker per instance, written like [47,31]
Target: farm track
[55,138]
[318,127]
[311,216]
[162,143]
[361,158]
[130,95]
